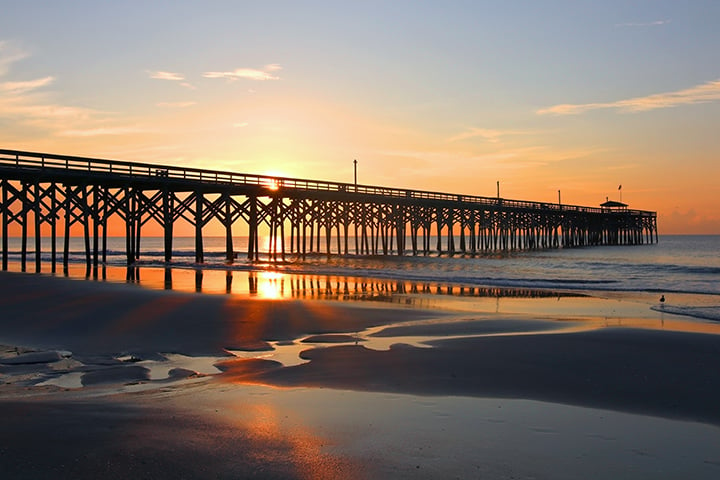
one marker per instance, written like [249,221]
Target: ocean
[685,267]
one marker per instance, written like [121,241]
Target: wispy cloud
[176,104]
[266,73]
[9,54]
[31,105]
[488,134]
[16,88]
[502,158]
[21,101]
[24,103]
[35,111]
[240,124]
[655,23]
[160,75]
[703,93]
[95,132]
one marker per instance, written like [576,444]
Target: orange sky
[453,98]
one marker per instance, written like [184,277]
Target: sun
[273,179]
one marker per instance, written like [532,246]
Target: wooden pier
[298,216]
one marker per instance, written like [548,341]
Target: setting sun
[273,184]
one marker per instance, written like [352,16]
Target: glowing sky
[577,96]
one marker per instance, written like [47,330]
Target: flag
[619,187]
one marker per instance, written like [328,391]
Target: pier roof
[613,204]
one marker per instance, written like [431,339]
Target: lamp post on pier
[355,170]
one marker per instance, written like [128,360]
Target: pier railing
[10,159]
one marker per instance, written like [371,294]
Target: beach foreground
[112,380]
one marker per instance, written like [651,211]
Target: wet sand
[377,391]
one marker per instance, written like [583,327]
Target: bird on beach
[662,298]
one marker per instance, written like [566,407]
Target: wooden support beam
[282,231]
[346,226]
[68,223]
[23,222]
[104,225]
[95,210]
[138,200]
[37,215]
[229,253]
[400,229]
[253,229]
[328,231]
[85,218]
[168,200]
[439,224]
[53,227]
[5,220]
[129,227]
[199,254]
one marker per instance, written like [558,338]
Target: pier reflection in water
[267,284]
[276,285]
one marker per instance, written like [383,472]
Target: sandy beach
[101,379]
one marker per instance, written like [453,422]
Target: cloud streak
[266,73]
[29,104]
[23,104]
[502,158]
[655,23]
[36,112]
[9,55]
[703,93]
[16,88]
[101,131]
[176,104]
[489,134]
[172,76]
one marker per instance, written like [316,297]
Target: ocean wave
[689,269]
[651,268]
[704,312]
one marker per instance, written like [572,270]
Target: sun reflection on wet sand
[303,448]
[268,285]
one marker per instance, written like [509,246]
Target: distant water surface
[678,266]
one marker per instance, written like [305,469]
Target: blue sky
[453,96]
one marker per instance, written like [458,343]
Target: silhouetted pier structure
[298,216]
